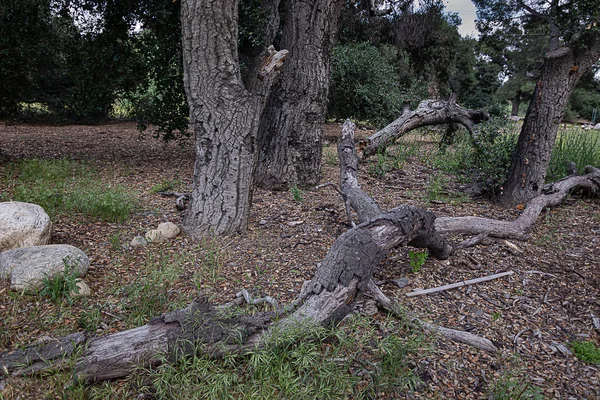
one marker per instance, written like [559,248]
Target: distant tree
[573,48]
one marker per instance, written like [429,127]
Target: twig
[540,273]
[452,334]
[595,321]
[459,284]
[267,299]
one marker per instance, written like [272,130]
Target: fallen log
[429,112]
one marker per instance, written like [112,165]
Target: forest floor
[532,315]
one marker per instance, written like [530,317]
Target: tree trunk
[224,116]
[515,102]
[560,73]
[291,130]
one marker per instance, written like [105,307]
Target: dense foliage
[88,60]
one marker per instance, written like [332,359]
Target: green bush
[586,351]
[370,83]
[486,157]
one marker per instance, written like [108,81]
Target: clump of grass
[165,185]
[357,360]
[573,145]
[394,159]
[65,187]
[61,286]
[586,351]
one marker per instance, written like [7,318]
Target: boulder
[23,225]
[168,230]
[597,127]
[26,267]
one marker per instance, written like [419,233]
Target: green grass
[297,194]
[393,159]
[354,361]
[66,187]
[586,351]
[574,145]
[61,286]
[165,185]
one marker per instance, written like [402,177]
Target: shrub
[573,145]
[367,83]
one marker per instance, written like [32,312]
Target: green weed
[89,320]
[586,351]
[62,285]
[417,260]
[509,387]
[297,194]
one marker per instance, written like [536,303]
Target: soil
[532,315]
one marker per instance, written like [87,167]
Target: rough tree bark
[291,129]
[561,71]
[224,115]
[344,273]
[429,112]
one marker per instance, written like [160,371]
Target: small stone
[154,236]
[263,222]
[82,289]
[295,223]
[139,241]
[168,230]
[401,282]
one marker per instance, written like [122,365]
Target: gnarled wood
[429,112]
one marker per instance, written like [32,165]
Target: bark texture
[224,116]
[561,71]
[429,112]
[291,130]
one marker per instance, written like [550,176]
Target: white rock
[82,290]
[26,267]
[139,241]
[597,127]
[154,236]
[23,225]
[168,230]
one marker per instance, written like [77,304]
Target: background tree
[573,48]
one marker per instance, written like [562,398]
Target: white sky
[466,11]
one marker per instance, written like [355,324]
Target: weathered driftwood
[458,284]
[429,112]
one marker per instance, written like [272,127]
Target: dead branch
[458,284]
[429,112]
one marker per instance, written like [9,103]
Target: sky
[466,11]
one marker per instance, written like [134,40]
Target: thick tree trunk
[429,112]
[224,116]
[291,130]
[560,73]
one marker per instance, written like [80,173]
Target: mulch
[532,315]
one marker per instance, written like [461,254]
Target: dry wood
[452,334]
[429,112]
[458,284]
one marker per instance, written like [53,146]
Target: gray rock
[401,282]
[23,225]
[597,127]
[26,267]
[82,290]
[139,241]
[154,236]
[168,230]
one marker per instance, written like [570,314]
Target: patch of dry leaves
[532,315]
